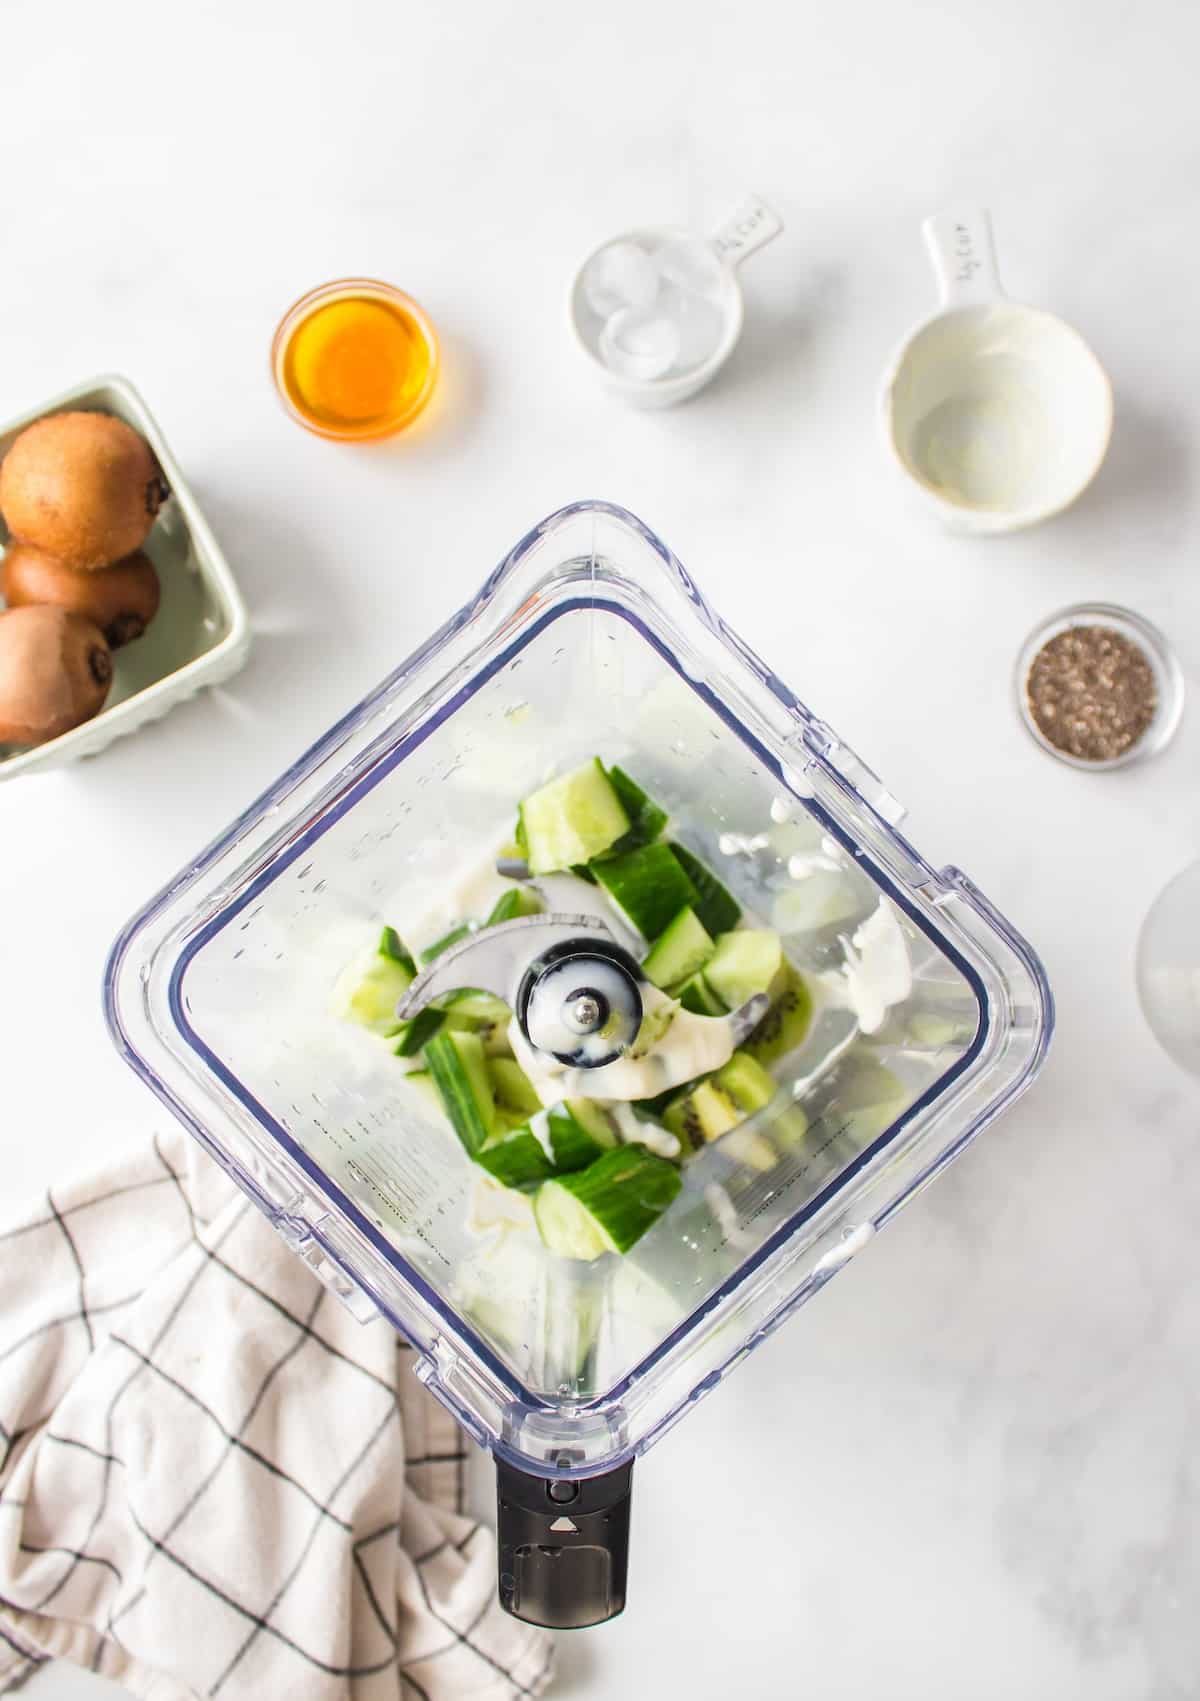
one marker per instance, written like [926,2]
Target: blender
[589,637]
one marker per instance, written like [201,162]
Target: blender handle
[964,257]
[563,1545]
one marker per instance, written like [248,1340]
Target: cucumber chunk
[391,945]
[696,995]
[743,964]
[679,951]
[460,1074]
[572,819]
[416,1034]
[717,908]
[594,1123]
[372,1000]
[646,818]
[607,1207]
[786,1023]
[516,1157]
[512,1087]
[648,885]
[551,1142]
[517,901]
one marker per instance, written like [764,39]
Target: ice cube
[700,322]
[691,264]
[620,275]
[639,343]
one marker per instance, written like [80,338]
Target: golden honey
[355,359]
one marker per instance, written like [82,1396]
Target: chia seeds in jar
[1099,687]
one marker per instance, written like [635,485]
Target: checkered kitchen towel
[214,1481]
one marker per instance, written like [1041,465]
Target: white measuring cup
[999,414]
[751,227]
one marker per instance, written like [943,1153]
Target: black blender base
[563,1546]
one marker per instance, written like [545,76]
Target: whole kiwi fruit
[121,600]
[55,671]
[82,486]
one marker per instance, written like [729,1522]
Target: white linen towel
[214,1481]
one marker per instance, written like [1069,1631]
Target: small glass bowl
[1168,679]
[361,289]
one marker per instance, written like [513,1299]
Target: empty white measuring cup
[999,413]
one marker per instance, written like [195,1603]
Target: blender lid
[589,638]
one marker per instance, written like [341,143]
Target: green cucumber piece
[417,1033]
[696,995]
[517,901]
[648,885]
[516,1157]
[751,1088]
[391,945]
[607,1207]
[717,908]
[679,951]
[557,1141]
[786,1023]
[483,1014]
[373,999]
[460,1073]
[572,819]
[743,964]
[593,1125]
[512,1087]
[460,931]
[646,818]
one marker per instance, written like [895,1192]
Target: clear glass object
[1168,679]
[1168,968]
[589,638]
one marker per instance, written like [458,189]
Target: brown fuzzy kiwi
[82,486]
[122,599]
[55,671]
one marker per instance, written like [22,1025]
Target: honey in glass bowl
[354,359]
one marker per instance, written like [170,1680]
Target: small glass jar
[354,359]
[1168,680]
[1168,968]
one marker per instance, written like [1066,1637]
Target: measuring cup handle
[964,257]
[750,228]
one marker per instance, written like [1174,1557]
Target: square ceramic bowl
[201,634]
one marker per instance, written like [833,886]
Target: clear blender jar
[588,638]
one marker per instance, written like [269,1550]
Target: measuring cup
[751,228]
[998,413]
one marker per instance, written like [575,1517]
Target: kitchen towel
[216,1482]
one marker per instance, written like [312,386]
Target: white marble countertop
[969,1469]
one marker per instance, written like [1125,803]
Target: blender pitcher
[589,638]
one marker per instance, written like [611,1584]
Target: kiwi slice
[121,600]
[55,671]
[84,487]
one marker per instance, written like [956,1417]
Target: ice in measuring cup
[699,321]
[691,264]
[621,275]
[640,343]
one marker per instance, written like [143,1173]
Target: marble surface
[968,1470]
